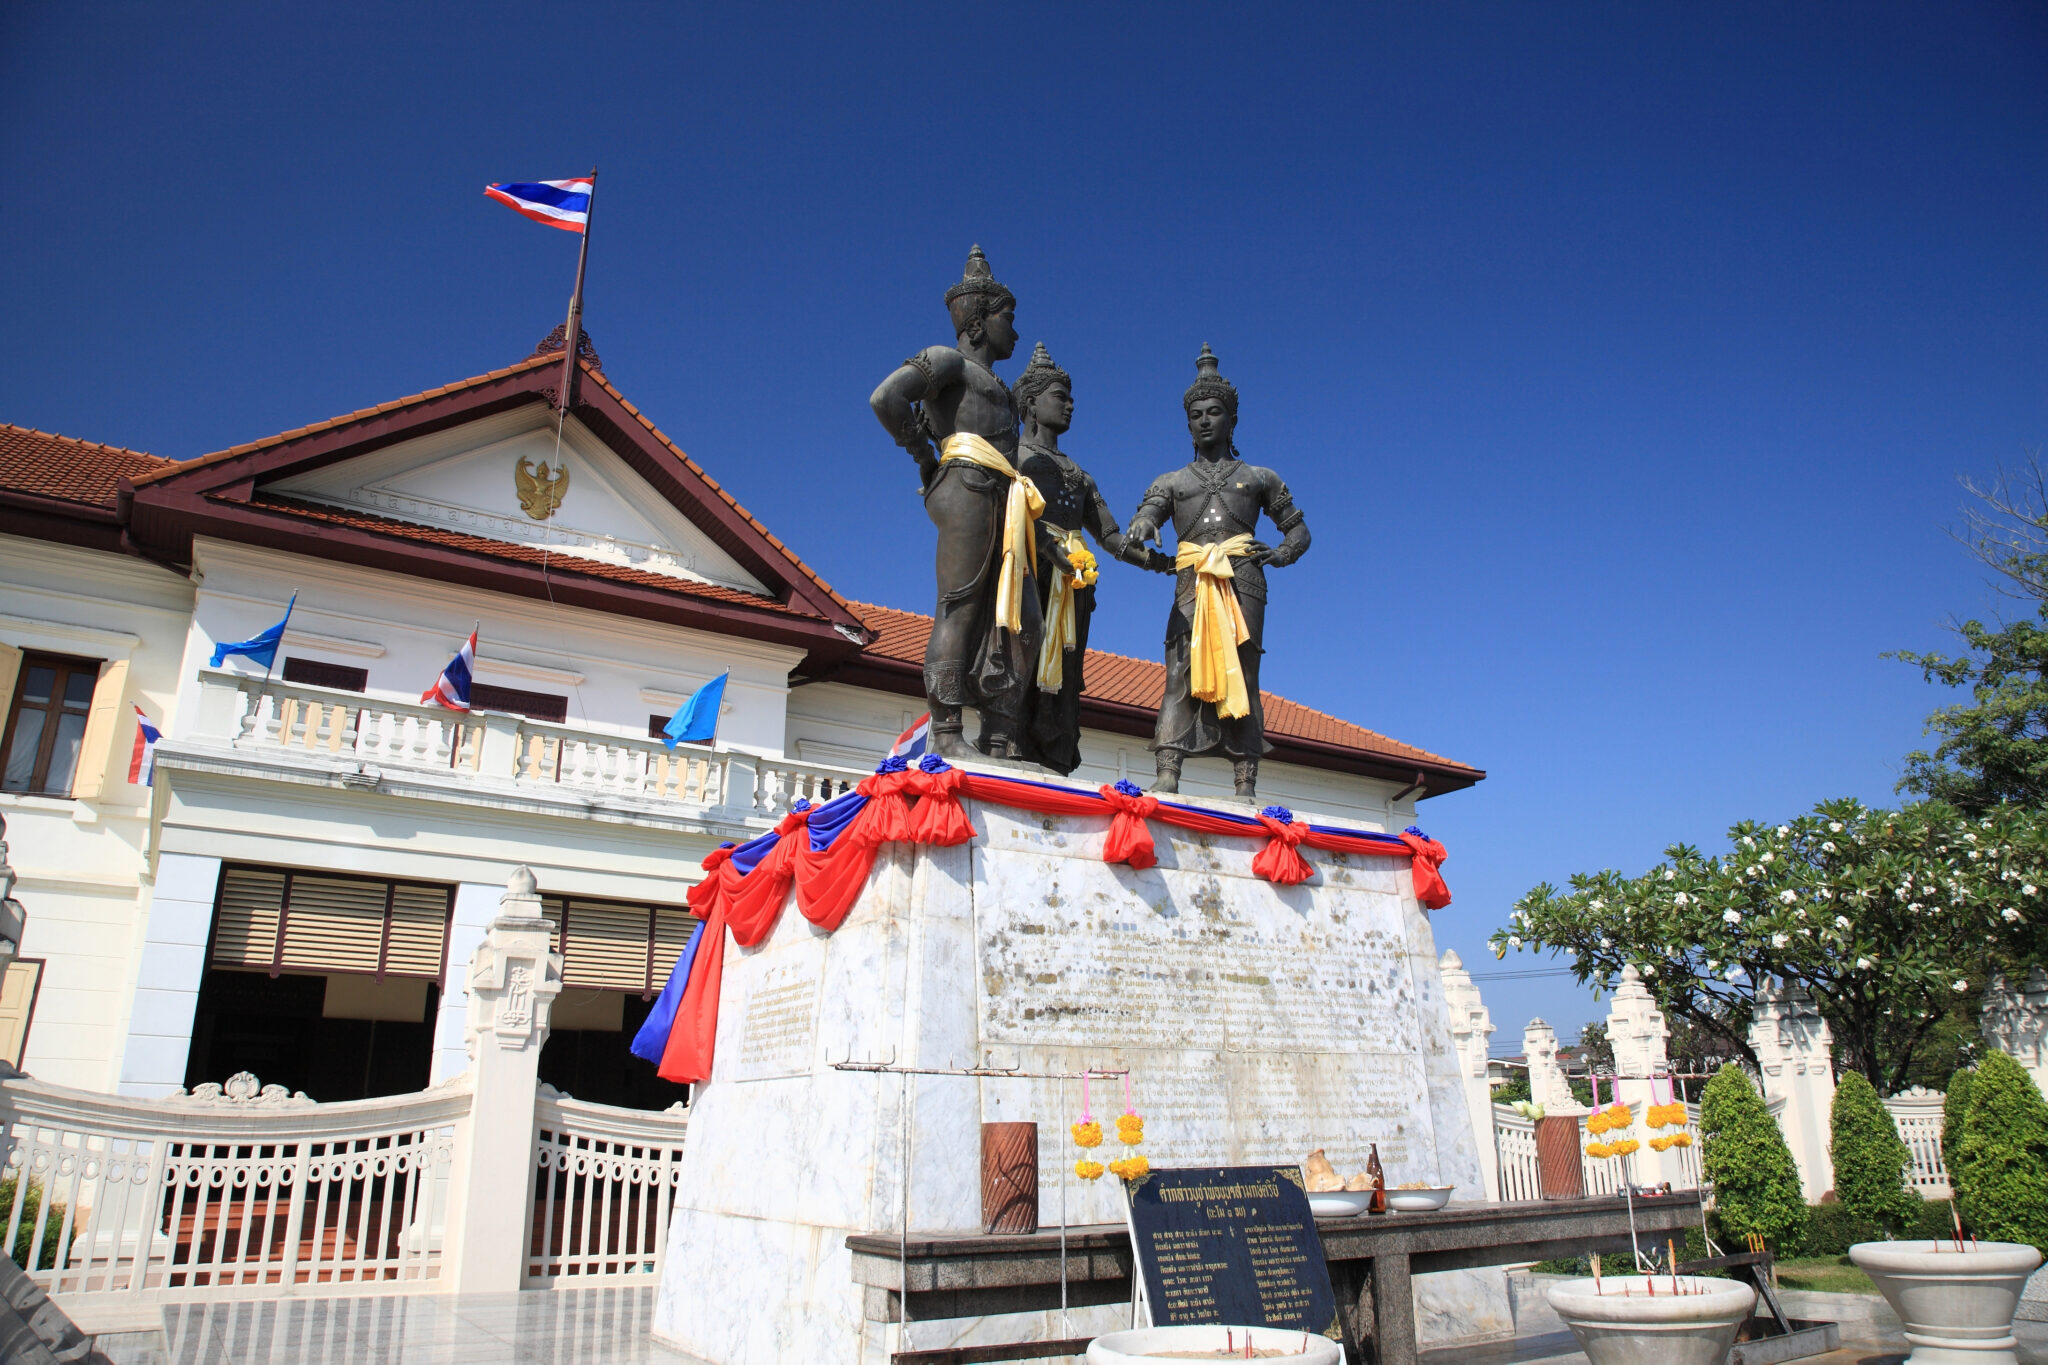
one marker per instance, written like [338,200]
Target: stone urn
[1957,1305]
[1143,1344]
[1633,1319]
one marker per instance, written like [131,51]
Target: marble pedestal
[1257,1022]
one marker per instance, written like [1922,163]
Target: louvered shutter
[245,926]
[607,946]
[419,930]
[671,935]
[333,924]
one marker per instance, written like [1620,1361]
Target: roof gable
[507,478]
[430,485]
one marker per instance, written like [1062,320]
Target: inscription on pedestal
[780,1024]
[1231,1245]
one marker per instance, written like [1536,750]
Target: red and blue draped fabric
[825,853]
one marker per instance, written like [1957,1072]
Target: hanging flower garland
[1615,1118]
[1130,1131]
[1087,1136]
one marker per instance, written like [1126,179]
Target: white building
[297,892]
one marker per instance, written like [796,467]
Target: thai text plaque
[1231,1245]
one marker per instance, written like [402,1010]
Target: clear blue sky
[1624,357]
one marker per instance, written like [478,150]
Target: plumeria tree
[1887,918]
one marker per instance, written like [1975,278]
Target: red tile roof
[62,467]
[523,554]
[1118,679]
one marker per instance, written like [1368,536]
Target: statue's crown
[1040,375]
[1210,384]
[976,279]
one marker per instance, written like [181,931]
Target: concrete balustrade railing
[372,734]
[487,1183]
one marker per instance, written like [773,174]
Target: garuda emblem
[541,490]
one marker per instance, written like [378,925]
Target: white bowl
[1623,1322]
[1419,1201]
[1339,1203]
[1137,1346]
[1956,1305]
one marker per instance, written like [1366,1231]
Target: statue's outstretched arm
[1153,510]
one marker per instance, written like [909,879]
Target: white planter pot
[1141,1345]
[1957,1305]
[1628,1321]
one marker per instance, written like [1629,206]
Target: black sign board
[1231,1245]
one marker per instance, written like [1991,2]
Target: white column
[2015,1021]
[1640,1037]
[513,981]
[1794,1048]
[1547,1085]
[476,905]
[1471,1027]
[168,976]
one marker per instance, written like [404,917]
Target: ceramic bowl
[1339,1203]
[1419,1201]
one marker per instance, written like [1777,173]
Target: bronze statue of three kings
[1016,580]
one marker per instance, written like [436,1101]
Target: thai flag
[564,204]
[142,764]
[911,743]
[451,689]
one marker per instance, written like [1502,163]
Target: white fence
[1515,1141]
[373,733]
[255,1194]
[228,1197]
[1918,1114]
[606,1181]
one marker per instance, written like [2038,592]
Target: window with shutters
[516,701]
[279,921]
[617,945]
[46,724]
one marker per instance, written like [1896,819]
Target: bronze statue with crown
[1074,510]
[1216,628]
[946,406]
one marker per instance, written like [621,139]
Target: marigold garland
[1088,1170]
[1088,1134]
[1086,569]
[1130,1168]
[1130,1129]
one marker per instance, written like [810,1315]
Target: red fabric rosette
[938,819]
[1429,855]
[1130,838]
[1280,861]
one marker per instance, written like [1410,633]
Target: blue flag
[260,649]
[696,720]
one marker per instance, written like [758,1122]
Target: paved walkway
[583,1326]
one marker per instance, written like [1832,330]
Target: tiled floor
[583,1326]
[609,1327]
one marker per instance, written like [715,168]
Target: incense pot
[1956,1298]
[1143,1344]
[1673,1320]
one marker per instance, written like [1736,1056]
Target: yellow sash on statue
[1062,629]
[1214,673]
[1020,551]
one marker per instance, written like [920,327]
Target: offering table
[1371,1258]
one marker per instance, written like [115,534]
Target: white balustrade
[1514,1140]
[1918,1116]
[328,723]
[602,1197]
[245,1194]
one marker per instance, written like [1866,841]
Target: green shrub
[1953,1109]
[1756,1184]
[1833,1228]
[1870,1161]
[2003,1155]
[25,1236]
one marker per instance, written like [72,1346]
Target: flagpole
[573,335]
[256,708]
